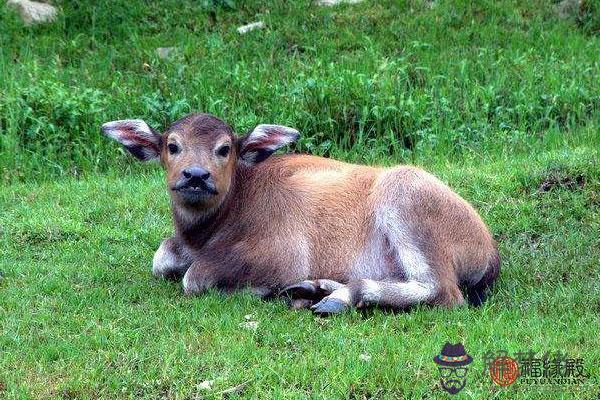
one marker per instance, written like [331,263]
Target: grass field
[501,99]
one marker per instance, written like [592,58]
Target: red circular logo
[504,371]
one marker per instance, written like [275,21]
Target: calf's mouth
[194,191]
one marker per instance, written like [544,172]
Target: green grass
[401,80]
[82,317]
[501,99]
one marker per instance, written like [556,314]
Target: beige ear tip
[138,125]
[294,134]
[108,127]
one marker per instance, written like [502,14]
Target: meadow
[500,99]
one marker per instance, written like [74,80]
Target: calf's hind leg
[393,294]
[170,261]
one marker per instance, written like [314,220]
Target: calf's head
[200,153]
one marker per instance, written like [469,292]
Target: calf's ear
[136,136]
[264,140]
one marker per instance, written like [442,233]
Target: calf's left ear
[136,136]
[264,140]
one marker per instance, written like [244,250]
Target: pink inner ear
[272,141]
[264,140]
[130,134]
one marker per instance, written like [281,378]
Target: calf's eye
[173,148]
[224,151]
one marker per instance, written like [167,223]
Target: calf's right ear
[136,136]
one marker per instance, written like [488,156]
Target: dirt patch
[69,394]
[569,182]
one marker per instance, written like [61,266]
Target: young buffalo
[329,235]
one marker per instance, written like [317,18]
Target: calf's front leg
[170,260]
[203,275]
[198,278]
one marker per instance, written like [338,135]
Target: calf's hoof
[329,306]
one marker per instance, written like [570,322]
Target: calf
[327,234]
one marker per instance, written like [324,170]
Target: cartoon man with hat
[453,367]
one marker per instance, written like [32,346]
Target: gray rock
[33,12]
[431,4]
[567,8]
[330,3]
[205,385]
[250,27]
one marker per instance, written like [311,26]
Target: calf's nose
[196,173]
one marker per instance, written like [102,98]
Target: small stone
[365,357]
[251,325]
[331,3]
[250,27]
[205,385]
[166,52]
[248,317]
[33,12]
